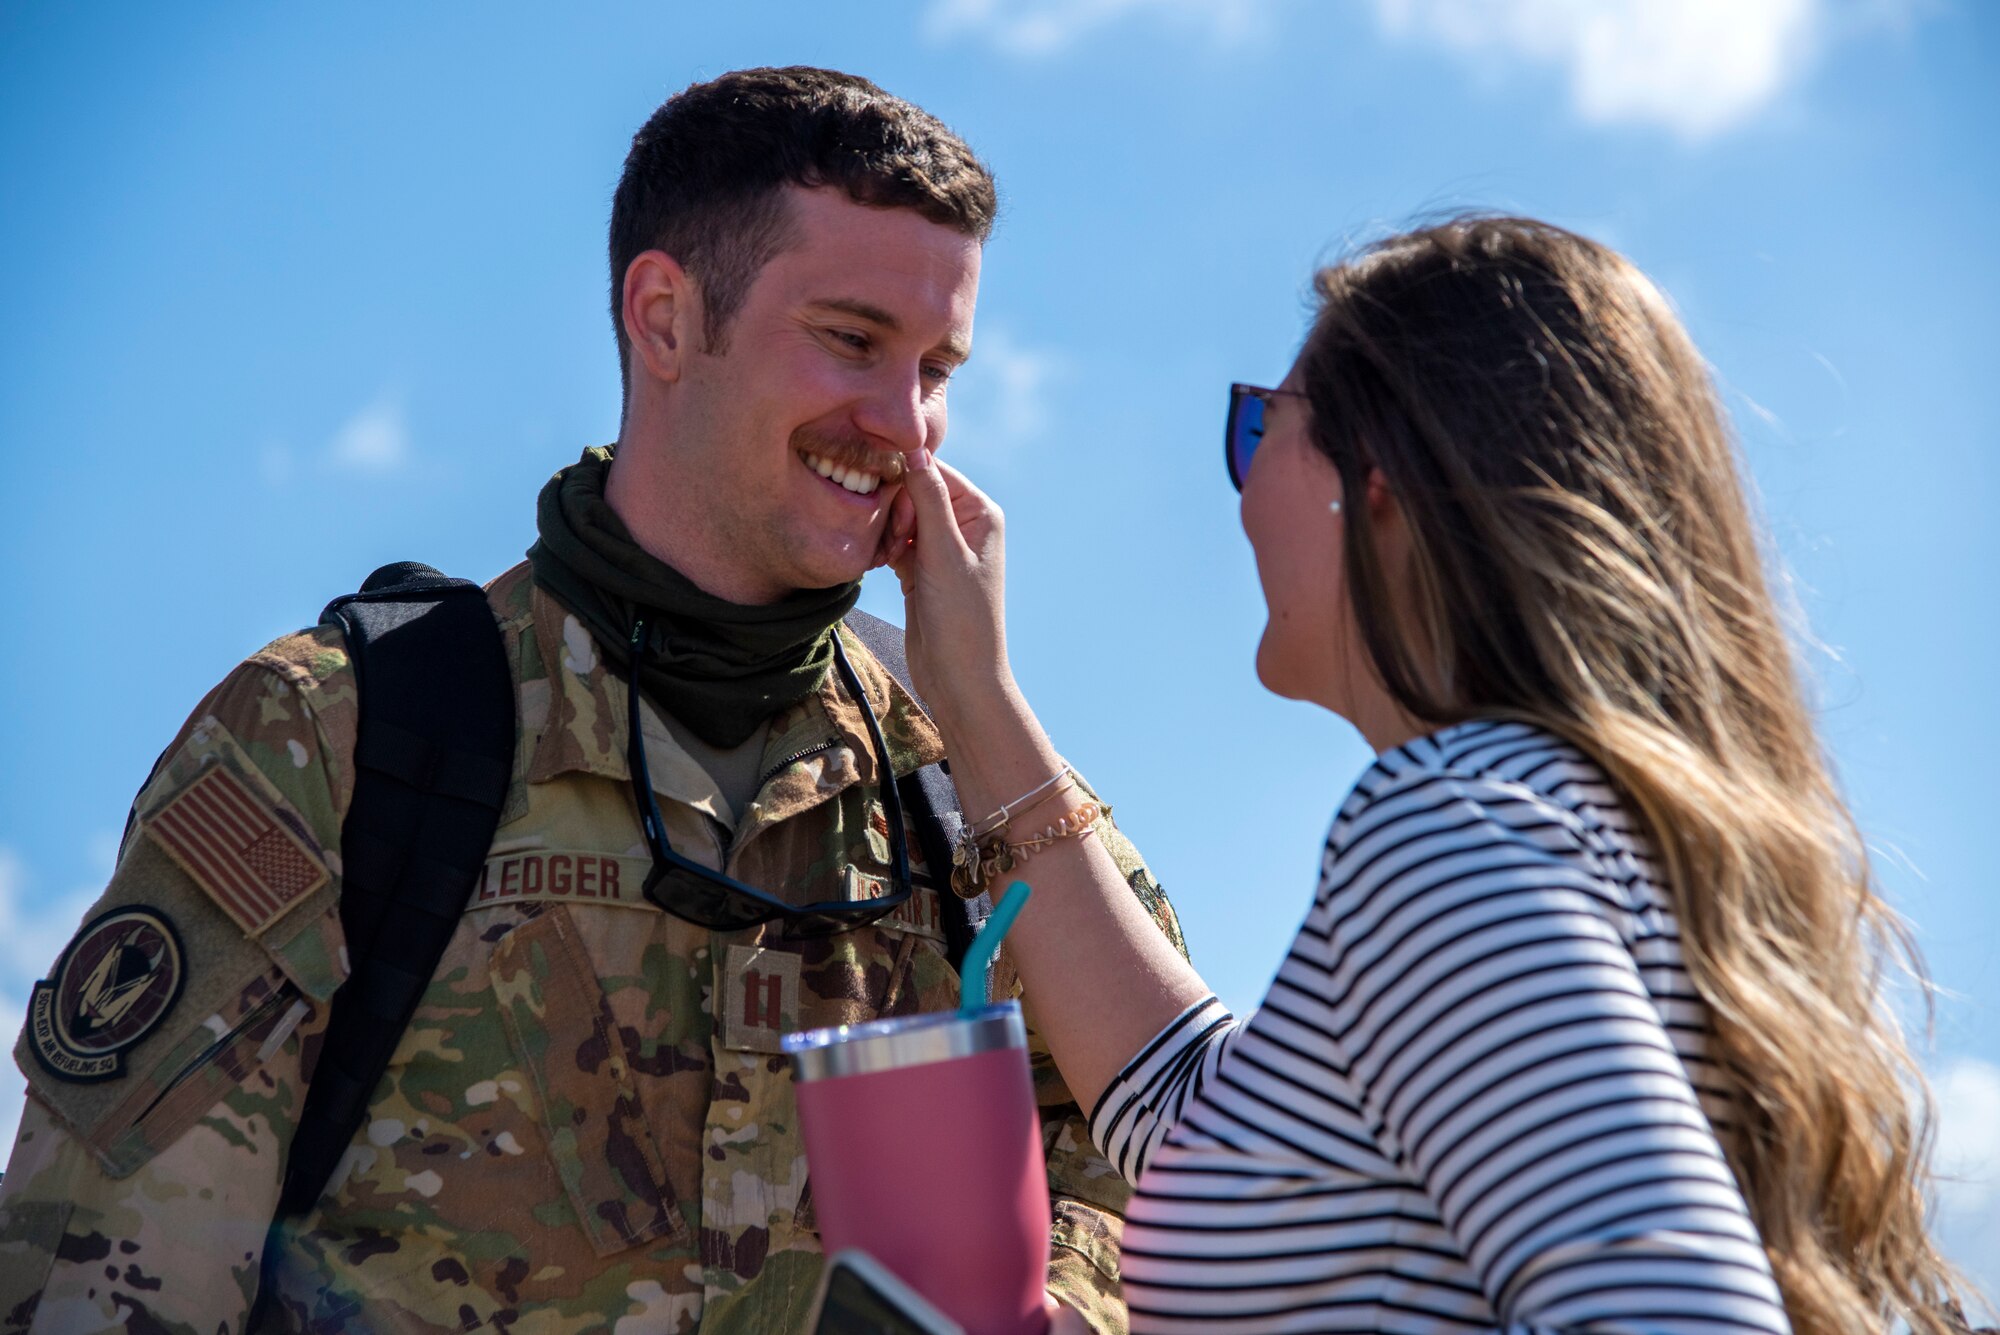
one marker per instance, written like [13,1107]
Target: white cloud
[373,442]
[1967,1160]
[1966,1165]
[1697,67]
[1033,28]
[13,1087]
[13,882]
[1000,400]
[1694,67]
[33,931]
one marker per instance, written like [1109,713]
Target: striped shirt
[1478,1095]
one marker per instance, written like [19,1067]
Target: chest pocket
[894,966]
[598,1137]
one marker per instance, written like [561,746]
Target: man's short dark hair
[705,178]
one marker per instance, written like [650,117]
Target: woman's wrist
[974,714]
[970,704]
[998,753]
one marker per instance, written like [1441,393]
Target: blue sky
[293,291]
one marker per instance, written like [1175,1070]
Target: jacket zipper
[731,844]
[790,761]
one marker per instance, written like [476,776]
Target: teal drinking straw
[979,956]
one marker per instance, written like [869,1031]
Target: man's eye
[938,372]
[859,342]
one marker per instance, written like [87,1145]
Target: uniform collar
[583,728]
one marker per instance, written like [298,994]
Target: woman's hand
[952,565]
[1104,978]
[1063,1319]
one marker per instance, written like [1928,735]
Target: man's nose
[894,413]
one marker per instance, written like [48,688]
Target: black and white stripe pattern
[1477,1096]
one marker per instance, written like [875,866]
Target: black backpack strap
[929,798]
[432,760]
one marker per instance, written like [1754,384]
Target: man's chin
[825,556]
[846,569]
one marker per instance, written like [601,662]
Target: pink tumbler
[926,1152]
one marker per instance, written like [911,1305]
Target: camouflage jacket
[587,1125]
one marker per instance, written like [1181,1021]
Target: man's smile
[861,479]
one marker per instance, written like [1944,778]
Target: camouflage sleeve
[1087,1193]
[165,1050]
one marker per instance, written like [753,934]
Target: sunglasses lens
[720,906]
[832,923]
[711,903]
[1246,432]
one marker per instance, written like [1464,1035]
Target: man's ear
[662,313]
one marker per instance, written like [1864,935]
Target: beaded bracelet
[977,861]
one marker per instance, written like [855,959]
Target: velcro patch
[114,985]
[233,845]
[919,915]
[760,998]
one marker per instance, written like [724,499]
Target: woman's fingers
[977,517]
[953,586]
[924,482]
[896,532]
[967,500]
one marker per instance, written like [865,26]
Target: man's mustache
[849,450]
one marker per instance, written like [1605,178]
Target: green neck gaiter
[719,667]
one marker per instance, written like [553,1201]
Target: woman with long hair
[1584,1028]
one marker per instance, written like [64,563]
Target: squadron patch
[113,986]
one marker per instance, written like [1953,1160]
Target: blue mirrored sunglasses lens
[1246,433]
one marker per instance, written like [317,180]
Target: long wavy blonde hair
[1584,559]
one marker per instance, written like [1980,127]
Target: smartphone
[858,1296]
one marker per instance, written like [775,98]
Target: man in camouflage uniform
[587,1125]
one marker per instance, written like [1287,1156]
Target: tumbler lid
[904,1040]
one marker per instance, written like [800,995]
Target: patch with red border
[115,984]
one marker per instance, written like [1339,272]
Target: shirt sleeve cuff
[1148,1097]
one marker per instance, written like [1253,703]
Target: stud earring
[1333,507]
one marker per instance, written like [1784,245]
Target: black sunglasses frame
[1242,397]
[688,890]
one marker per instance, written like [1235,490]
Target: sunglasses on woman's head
[1244,430]
[686,889]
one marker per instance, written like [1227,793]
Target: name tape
[595,878]
[619,882]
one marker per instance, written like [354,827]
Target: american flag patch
[236,850]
